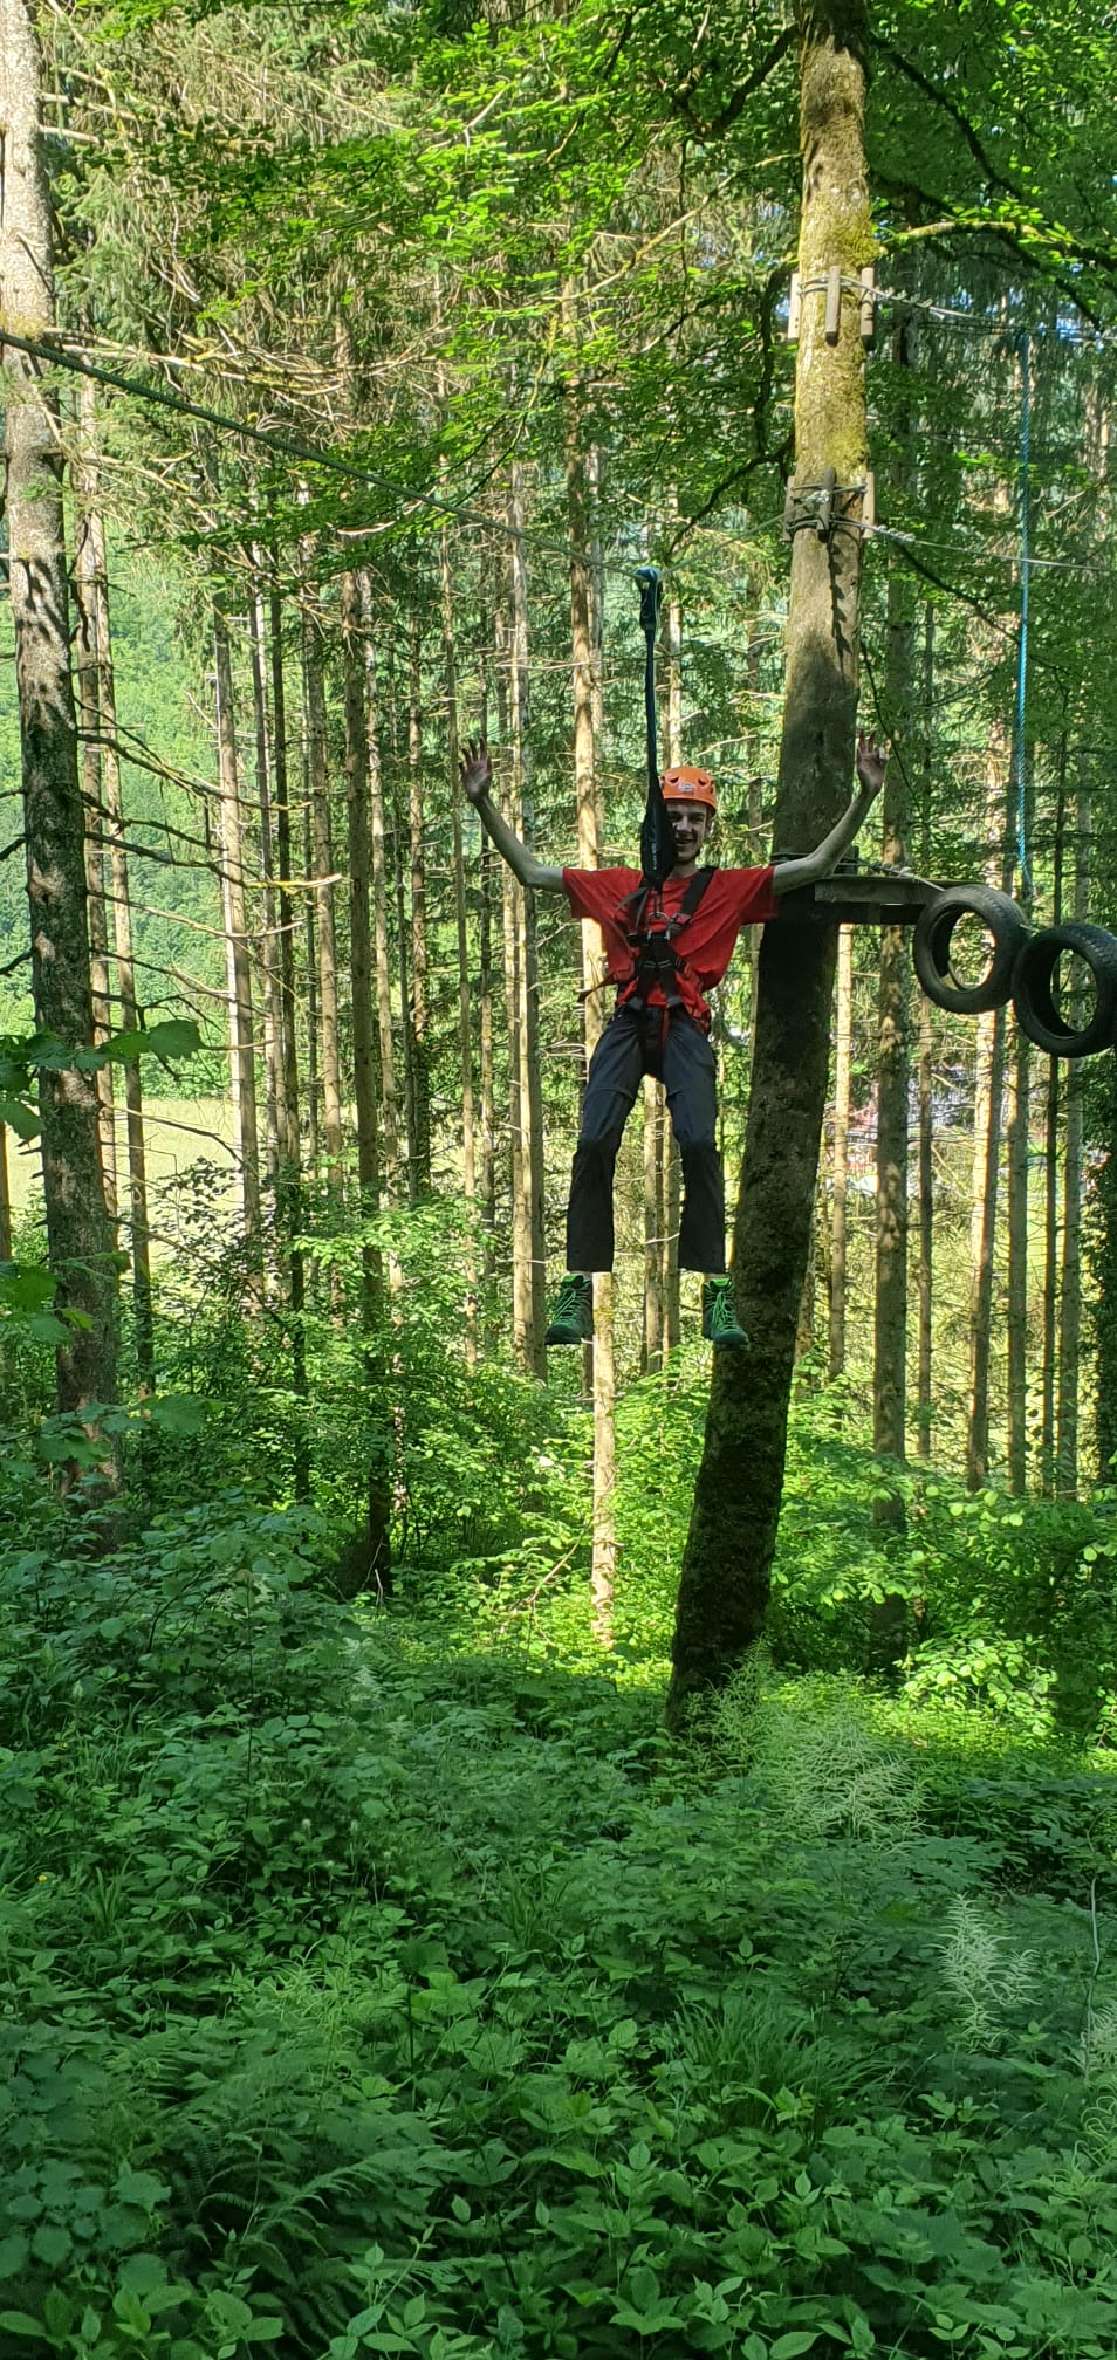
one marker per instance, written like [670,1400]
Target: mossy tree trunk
[726,1573]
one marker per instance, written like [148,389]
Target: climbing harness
[650,937]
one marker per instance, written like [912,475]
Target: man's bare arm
[539,876]
[871,764]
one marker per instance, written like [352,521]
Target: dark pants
[679,1056]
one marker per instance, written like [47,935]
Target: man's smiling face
[690,826]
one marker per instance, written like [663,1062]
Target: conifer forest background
[609,1852]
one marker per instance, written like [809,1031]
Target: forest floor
[372,1984]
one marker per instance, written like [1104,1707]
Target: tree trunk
[893,1057]
[378,1484]
[727,1564]
[290,1195]
[79,1237]
[5,1199]
[1051,1185]
[839,1165]
[1018,1142]
[925,1267]
[273,997]
[112,800]
[420,1006]
[670,1179]
[485,979]
[1070,1292]
[465,1015]
[242,1057]
[531,1080]
[83,475]
[988,1093]
[318,787]
[580,512]
[389,1104]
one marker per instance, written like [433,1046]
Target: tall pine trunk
[420,957]
[84,479]
[989,1056]
[924,1277]
[238,969]
[579,509]
[389,1105]
[377,1504]
[79,1237]
[289,1206]
[325,927]
[893,1056]
[461,927]
[531,1072]
[726,1573]
[839,1161]
[1051,1183]
[1070,1290]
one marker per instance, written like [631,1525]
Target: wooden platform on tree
[864,897]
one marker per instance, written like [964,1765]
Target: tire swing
[1033,996]
[1001,918]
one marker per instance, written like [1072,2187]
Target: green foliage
[370,1984]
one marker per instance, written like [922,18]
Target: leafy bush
[367,1989]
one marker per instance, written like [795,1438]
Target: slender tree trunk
[242,1057]
[893,1059]
[580,513]
[290,1198]
[5,1199]
[727,1564]
[79,1237]
[112,800]
[670,1181]
[318,781]
[485,989]
[465,1014]
[1070,1292]
[1019,1124]
[83,473]
[988,1094]
[420,961]
[273,998]
[839,1167]
[378,1482]
[389,1105]
[531,1081]
[926,1086]
[1051,1181]
[313,1061]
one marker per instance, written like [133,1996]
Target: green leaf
[788,2347]
[19,1118]
[13,2253]
[176,1036]
[18,2323]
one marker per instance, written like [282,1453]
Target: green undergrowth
[374,1983]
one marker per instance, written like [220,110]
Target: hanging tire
[1033,997]
[1001,917]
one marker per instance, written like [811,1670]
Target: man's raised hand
[476,770]
[872,762]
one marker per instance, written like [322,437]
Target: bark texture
[79,1238]
[727,1564]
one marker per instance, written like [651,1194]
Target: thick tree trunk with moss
[79,1238]
[723,1596]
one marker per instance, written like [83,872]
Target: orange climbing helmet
[684,785]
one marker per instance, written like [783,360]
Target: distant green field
[178,1132]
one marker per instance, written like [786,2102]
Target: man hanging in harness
[666,947]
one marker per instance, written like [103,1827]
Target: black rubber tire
[930,948]
[1034,1000]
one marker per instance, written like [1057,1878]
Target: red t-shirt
[733,898]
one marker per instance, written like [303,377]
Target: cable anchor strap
[824,506]
[833,284]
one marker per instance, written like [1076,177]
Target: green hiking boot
[720,1324]
[572,1318]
